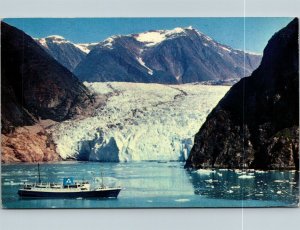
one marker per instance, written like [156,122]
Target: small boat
[68,189]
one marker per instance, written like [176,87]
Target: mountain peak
[52,38]
[56,37]
[64,51]
[108,42]
[176,30]
[152,37]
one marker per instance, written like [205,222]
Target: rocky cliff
[256,124]
[34,87]
[29,144]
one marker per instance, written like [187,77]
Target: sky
[228,31]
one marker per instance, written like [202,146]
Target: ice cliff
[138,122]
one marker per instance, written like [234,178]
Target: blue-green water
[156,184]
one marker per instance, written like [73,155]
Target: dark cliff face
[65,52]
[174,56]
[34,85]
[256,124]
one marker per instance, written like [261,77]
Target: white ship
[68,189]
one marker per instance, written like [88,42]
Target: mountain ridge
[179,55]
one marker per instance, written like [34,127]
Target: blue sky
[229,31]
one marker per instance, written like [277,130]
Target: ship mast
[39,173]
[102,183]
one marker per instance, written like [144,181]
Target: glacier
[139,122]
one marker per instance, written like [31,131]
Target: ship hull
[111,193]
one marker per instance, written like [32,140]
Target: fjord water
[156,184]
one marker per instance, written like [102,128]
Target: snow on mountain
[139,122]
[140,60]
[43,42]
[108,43]
[225,48]
[82,48]
[56,37]
[152,38]
[86,47]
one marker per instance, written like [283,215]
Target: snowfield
[139,122]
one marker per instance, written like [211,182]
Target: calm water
[154,184]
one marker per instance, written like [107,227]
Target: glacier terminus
[139,122]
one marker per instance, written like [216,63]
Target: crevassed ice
[139,122]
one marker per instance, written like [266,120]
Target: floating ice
[235,187]
[259,171]
[205,171]
[279,181]
[246,177]
[182,200]
[12,183]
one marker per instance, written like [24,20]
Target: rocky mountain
[256,124]
[65,52]
[181,55]
[35,86]
[33,82]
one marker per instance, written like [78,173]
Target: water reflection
[256,185]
